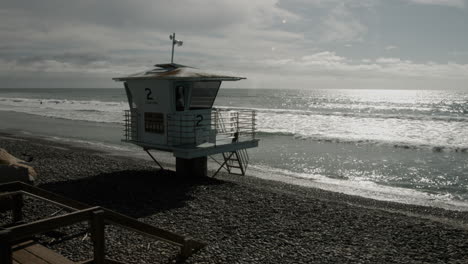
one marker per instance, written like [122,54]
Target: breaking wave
[438,133]
[93,111]
[454,117]
[400,145]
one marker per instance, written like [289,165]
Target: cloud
[456,53]
[114,37]
[320,69]
[181,15]
[328,21]
[389,60]
[390,47]
[325,58]
[58,66]
[330,64]
[138,30]
[453,3]
[342,25]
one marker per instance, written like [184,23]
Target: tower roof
[173,71]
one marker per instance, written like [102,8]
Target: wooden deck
[32,253]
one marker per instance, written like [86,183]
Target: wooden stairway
[12,236]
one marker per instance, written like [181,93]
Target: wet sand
[243,219]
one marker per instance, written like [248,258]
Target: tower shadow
[136,193]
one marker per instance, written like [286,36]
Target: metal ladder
[237,161]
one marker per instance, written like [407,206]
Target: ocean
[407,146]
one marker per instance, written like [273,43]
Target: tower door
[181,96]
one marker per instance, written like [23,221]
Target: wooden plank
[10,186]
[22,245]
[148,230]
[47,255]
[17,207]
[97,235]
[24,257]
[26,230]
[50,256]
[5,195]
[50,201]
[106,261]
[143,228]
[43,193]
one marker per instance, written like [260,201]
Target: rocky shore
[243,219]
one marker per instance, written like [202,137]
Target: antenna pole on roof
[174,42]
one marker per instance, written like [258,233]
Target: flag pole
[173,43]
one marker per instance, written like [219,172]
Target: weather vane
[174,42]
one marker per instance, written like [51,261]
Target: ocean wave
[90,110]
[360,187]
[437,133]
[394,144]
[402,116]
[84,110]
[36,104]
[54,101]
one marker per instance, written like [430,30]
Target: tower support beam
[192,168]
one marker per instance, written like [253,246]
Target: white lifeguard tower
[171,109]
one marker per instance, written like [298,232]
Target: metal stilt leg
[222,165]
[219,163]
[147,151]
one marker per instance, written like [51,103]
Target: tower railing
[216,126]
[223,126]
[130,125]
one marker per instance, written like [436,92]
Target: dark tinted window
[204,94]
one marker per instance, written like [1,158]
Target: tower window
[204,94]
[154,123]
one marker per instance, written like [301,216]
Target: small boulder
[14,169]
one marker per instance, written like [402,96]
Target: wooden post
[186,250]
[17,201]
[97,235]
[5,247]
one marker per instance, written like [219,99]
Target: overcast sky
[403,44]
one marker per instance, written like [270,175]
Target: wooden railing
[12,196]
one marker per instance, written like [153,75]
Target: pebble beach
[242,219]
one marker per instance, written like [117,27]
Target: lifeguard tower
[171,109]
